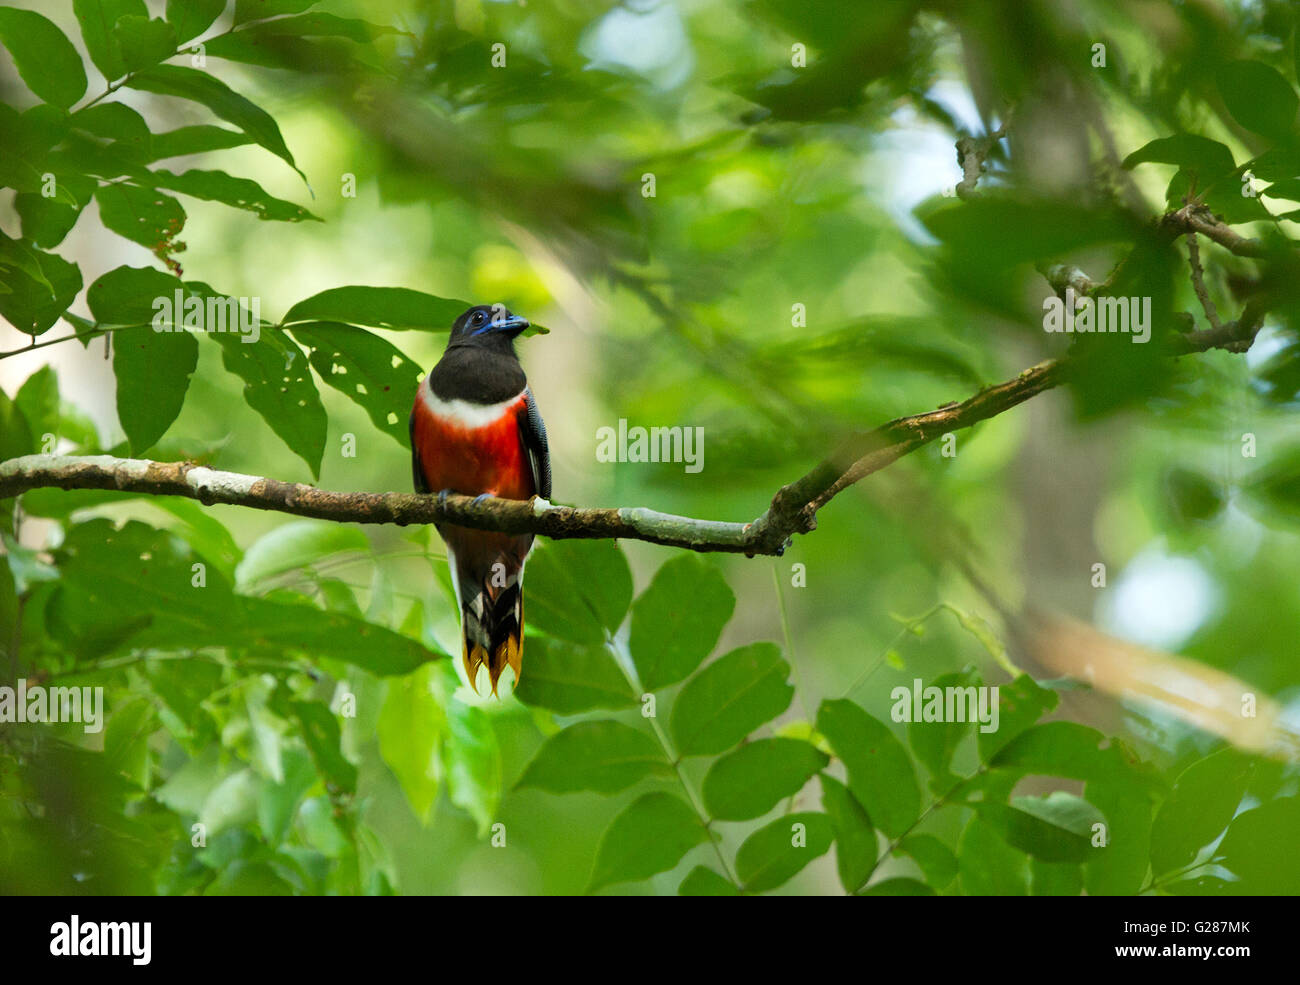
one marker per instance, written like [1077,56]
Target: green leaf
[898,886]
[979,627]
[379,307]
[126,740]
[117,122]
[15,432]
[318,24]
[41,286]
[296,544]
[937,862]
[153,371]
[143,215]
[269,47]
[143,42]
[730,698]
[266,731]
[412,726]
[1119,867]
[1020,704]
[650,836]
[676,622]
[97,19]
[1056,749]
[239,193]
[855,839]
[43,55]
[305,629]
[126,295]
[578,590]
[277,802]
[188,787]
[47,221]
[1204,798]
[752,780]
[1254,849]
[231,803]
[935,742]
[1207,159]
[568,678]
[278,385]
[8,591]
[1259,98]
[191,18]
[38,399]
[203,532]
[320,730]
[192,84]
[370,371]
[778,851]
[1023,228]
[1054,878]
[703,881]
[988,865]
[472,763]
[880,771]
[194,140]
[1055,828]
[603,756]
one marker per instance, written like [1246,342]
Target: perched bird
[475,430]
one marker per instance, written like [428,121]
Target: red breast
[471,448]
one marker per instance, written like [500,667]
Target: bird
[476,430]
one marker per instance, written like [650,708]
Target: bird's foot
[482,496]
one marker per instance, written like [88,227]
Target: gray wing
[532,432]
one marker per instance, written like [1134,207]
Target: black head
[487,325]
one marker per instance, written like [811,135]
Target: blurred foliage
[739,214]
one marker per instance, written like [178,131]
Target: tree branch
[793,509]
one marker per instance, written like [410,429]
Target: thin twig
[1198,281]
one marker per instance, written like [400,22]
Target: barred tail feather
[492,619]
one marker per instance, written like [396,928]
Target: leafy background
[685,724]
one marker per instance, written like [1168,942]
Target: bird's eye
[478,318]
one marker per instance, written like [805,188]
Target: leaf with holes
[370,371]
[239,193]
[278,385]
